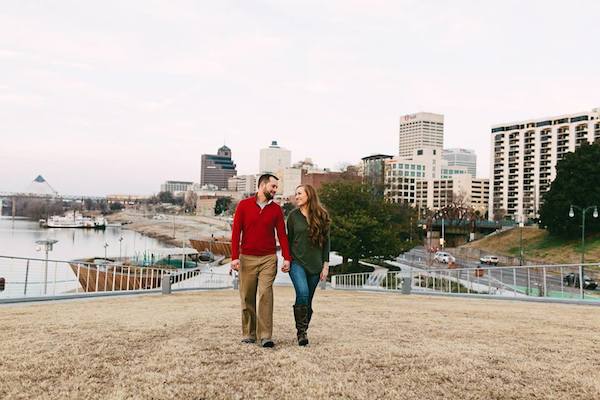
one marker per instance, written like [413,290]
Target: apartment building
[435,194]
[524,158]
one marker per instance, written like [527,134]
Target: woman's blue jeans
[305,284]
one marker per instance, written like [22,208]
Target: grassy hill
[539,245]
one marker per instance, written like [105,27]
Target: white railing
[547,281]
[23,278]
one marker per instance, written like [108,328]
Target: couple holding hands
[305,250]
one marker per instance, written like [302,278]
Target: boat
[214,246]
[76,220]
[143,271]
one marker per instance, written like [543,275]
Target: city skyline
[117,98]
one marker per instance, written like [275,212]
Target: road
[523,280]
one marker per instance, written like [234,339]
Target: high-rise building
[462,158]
[524,158]
[420,130]
[217,169]
[274,159]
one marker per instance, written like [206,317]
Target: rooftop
[363,346]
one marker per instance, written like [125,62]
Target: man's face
[269,189]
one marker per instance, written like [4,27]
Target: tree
[577,182]
[116,206]
[190,200]
[166,197]
[222,205]
[363,226]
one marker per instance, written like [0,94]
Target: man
[256,219]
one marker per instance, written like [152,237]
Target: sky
[107,97]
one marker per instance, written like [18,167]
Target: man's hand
[286,266]
[235,265]
[325,271]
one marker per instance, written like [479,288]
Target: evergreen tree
[577,183]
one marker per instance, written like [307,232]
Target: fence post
[406,284]
[166,284]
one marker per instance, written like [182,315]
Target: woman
[308,234]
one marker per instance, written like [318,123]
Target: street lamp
[521,242]
[120,246]
[583,212]
[105,247]
[47,247]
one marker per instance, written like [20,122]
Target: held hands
[286,266]
[324,272]
[235,265]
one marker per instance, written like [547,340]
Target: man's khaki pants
[257,272]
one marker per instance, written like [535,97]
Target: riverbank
[173,230]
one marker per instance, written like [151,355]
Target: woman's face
[301,197]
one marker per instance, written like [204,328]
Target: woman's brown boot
[301,317]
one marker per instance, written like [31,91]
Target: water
[18,239]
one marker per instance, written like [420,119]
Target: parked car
[443,257]
[572,279]
[489,259]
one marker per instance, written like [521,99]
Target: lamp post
[443,241]
[521,241]
[105,247]
[120,247]
[583,212]
[48,243]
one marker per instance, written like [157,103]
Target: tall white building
[462,158]
[524,158]
[420,130]
[274,159]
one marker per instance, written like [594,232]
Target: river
[18,237]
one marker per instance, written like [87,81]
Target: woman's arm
[325,257]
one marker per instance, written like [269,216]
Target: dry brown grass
[539,246]
[363,346]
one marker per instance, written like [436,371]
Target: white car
[489,259]
[443,257]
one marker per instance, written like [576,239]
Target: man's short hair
[266,178]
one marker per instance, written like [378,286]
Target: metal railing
[540,281]
[29,278]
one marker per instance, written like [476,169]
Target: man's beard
[268,195]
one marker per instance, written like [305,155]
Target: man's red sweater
[257,228]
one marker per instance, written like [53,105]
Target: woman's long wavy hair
[318,217]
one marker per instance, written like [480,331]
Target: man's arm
[236,231]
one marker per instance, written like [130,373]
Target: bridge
[39,188]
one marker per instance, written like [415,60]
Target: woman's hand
[325,271]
